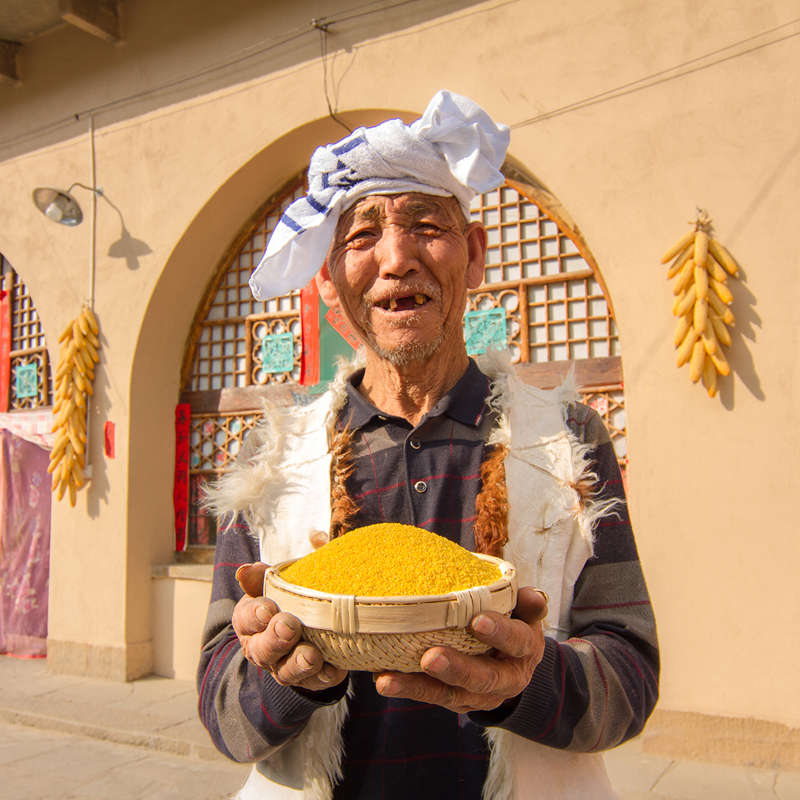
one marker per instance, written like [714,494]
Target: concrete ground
[69,738]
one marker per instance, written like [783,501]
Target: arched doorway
[543,295]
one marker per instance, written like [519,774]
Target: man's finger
[252,615]
[513,636]
[426,689]
[265,644]
[302,663]
[480,676]
[305,667]
[416,686]
[251,578]
[284,631]
[531,605]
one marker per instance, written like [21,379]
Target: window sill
[185,572]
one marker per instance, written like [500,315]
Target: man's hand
[479,683]
[270,639]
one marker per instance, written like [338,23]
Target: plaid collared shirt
[426,475]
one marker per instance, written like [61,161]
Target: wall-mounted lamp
[59,205]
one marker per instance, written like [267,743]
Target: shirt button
[421,486]
[415,443]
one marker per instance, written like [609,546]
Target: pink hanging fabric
[24,547]
[5,348]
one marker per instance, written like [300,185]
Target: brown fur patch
[586,488]
[318,538]
[343,507]
[491,526]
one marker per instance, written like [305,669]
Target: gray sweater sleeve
[248,715]
[597,689]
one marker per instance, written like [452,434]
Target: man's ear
[325,287]
[475,235]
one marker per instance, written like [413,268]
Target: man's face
[399,268]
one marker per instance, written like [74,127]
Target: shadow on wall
[101,408]
[127,246]
[744,301]
[270,38]
[741,359]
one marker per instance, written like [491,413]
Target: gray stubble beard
[403,354]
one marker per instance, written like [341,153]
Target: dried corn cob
[73,382]
[700,269]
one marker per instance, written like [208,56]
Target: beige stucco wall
[632,114]
[180,596]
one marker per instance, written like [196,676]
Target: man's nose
[396,253]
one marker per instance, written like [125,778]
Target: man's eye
[359,236]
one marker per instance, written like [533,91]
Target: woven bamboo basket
[390,633]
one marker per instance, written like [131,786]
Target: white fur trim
[323,751]
[255,487]
[500,783]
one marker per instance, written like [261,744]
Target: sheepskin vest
[284,492]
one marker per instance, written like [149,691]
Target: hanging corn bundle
[700,268]
[73,384]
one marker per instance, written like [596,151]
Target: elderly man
[416,432]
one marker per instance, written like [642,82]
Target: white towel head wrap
[453,149]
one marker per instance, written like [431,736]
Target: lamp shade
[58,205]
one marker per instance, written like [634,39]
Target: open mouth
[408,303]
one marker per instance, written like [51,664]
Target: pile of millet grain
[390,560]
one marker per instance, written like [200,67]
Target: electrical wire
[93,234]
[323,46]
[340,18]
[231,60]
[662,76]
[321,24]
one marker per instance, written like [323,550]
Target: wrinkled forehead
[412,206]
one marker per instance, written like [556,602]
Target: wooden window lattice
[28,345]
[214,439]
[228,349]
[214,442]
[609,403]
[228,354]
[555,308]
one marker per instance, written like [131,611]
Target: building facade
[197,121]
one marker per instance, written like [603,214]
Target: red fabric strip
[309,325]
[337,321]
[180,493]
[109,439]
[5,349]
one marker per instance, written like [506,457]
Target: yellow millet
[389,559]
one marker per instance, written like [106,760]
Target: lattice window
[609,403]
[555,308]
[232,350]
[31,383]
[232,326]
[542,297]
[214,441]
